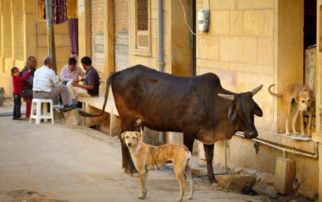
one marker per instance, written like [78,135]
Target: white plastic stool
[41,110]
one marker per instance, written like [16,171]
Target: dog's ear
[139,135]
[123,135]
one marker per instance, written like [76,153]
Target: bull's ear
[232,113]
[258,111]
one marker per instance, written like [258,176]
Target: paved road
[77,164]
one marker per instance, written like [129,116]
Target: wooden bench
[97,103]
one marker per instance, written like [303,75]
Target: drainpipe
[50,33]
[161,43]
[161,52]
[284,149]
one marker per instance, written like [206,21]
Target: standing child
[17,90]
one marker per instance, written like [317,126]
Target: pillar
[30,33]
[84,27]
[320,172]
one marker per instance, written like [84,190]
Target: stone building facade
[249,42]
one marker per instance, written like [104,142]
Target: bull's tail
[108,84]
[272,93]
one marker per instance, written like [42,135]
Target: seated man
[71,72]
[91,81]
[46,86]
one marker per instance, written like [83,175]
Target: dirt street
[59,163]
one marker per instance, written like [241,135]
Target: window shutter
[142,39]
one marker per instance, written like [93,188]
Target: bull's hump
[155,76]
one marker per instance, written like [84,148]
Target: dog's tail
[272,93]
[108,84]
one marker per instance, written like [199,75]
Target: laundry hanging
[73,35]
[59,10]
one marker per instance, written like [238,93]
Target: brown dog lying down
[147,157]
[303,97]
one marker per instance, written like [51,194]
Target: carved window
[142,24]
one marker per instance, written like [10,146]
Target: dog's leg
[142,175]
[294,121]
[189,178]
[287,106]
[146,181]
[308,126]
[180,179]
[302,122]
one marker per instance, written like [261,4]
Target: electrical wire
[185,19]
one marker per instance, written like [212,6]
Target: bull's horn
[227,96]
[257,89]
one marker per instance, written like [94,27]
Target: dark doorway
[193,37]
[309,23]
[310,19]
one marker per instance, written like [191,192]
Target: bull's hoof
[215,187]
[212,181]
[130,171]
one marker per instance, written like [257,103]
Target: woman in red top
[17,90]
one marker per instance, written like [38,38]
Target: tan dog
[303,97]
[147,157]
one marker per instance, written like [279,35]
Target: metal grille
[142,15]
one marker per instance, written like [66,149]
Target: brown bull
[197,106]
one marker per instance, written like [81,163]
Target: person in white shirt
[46,85]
